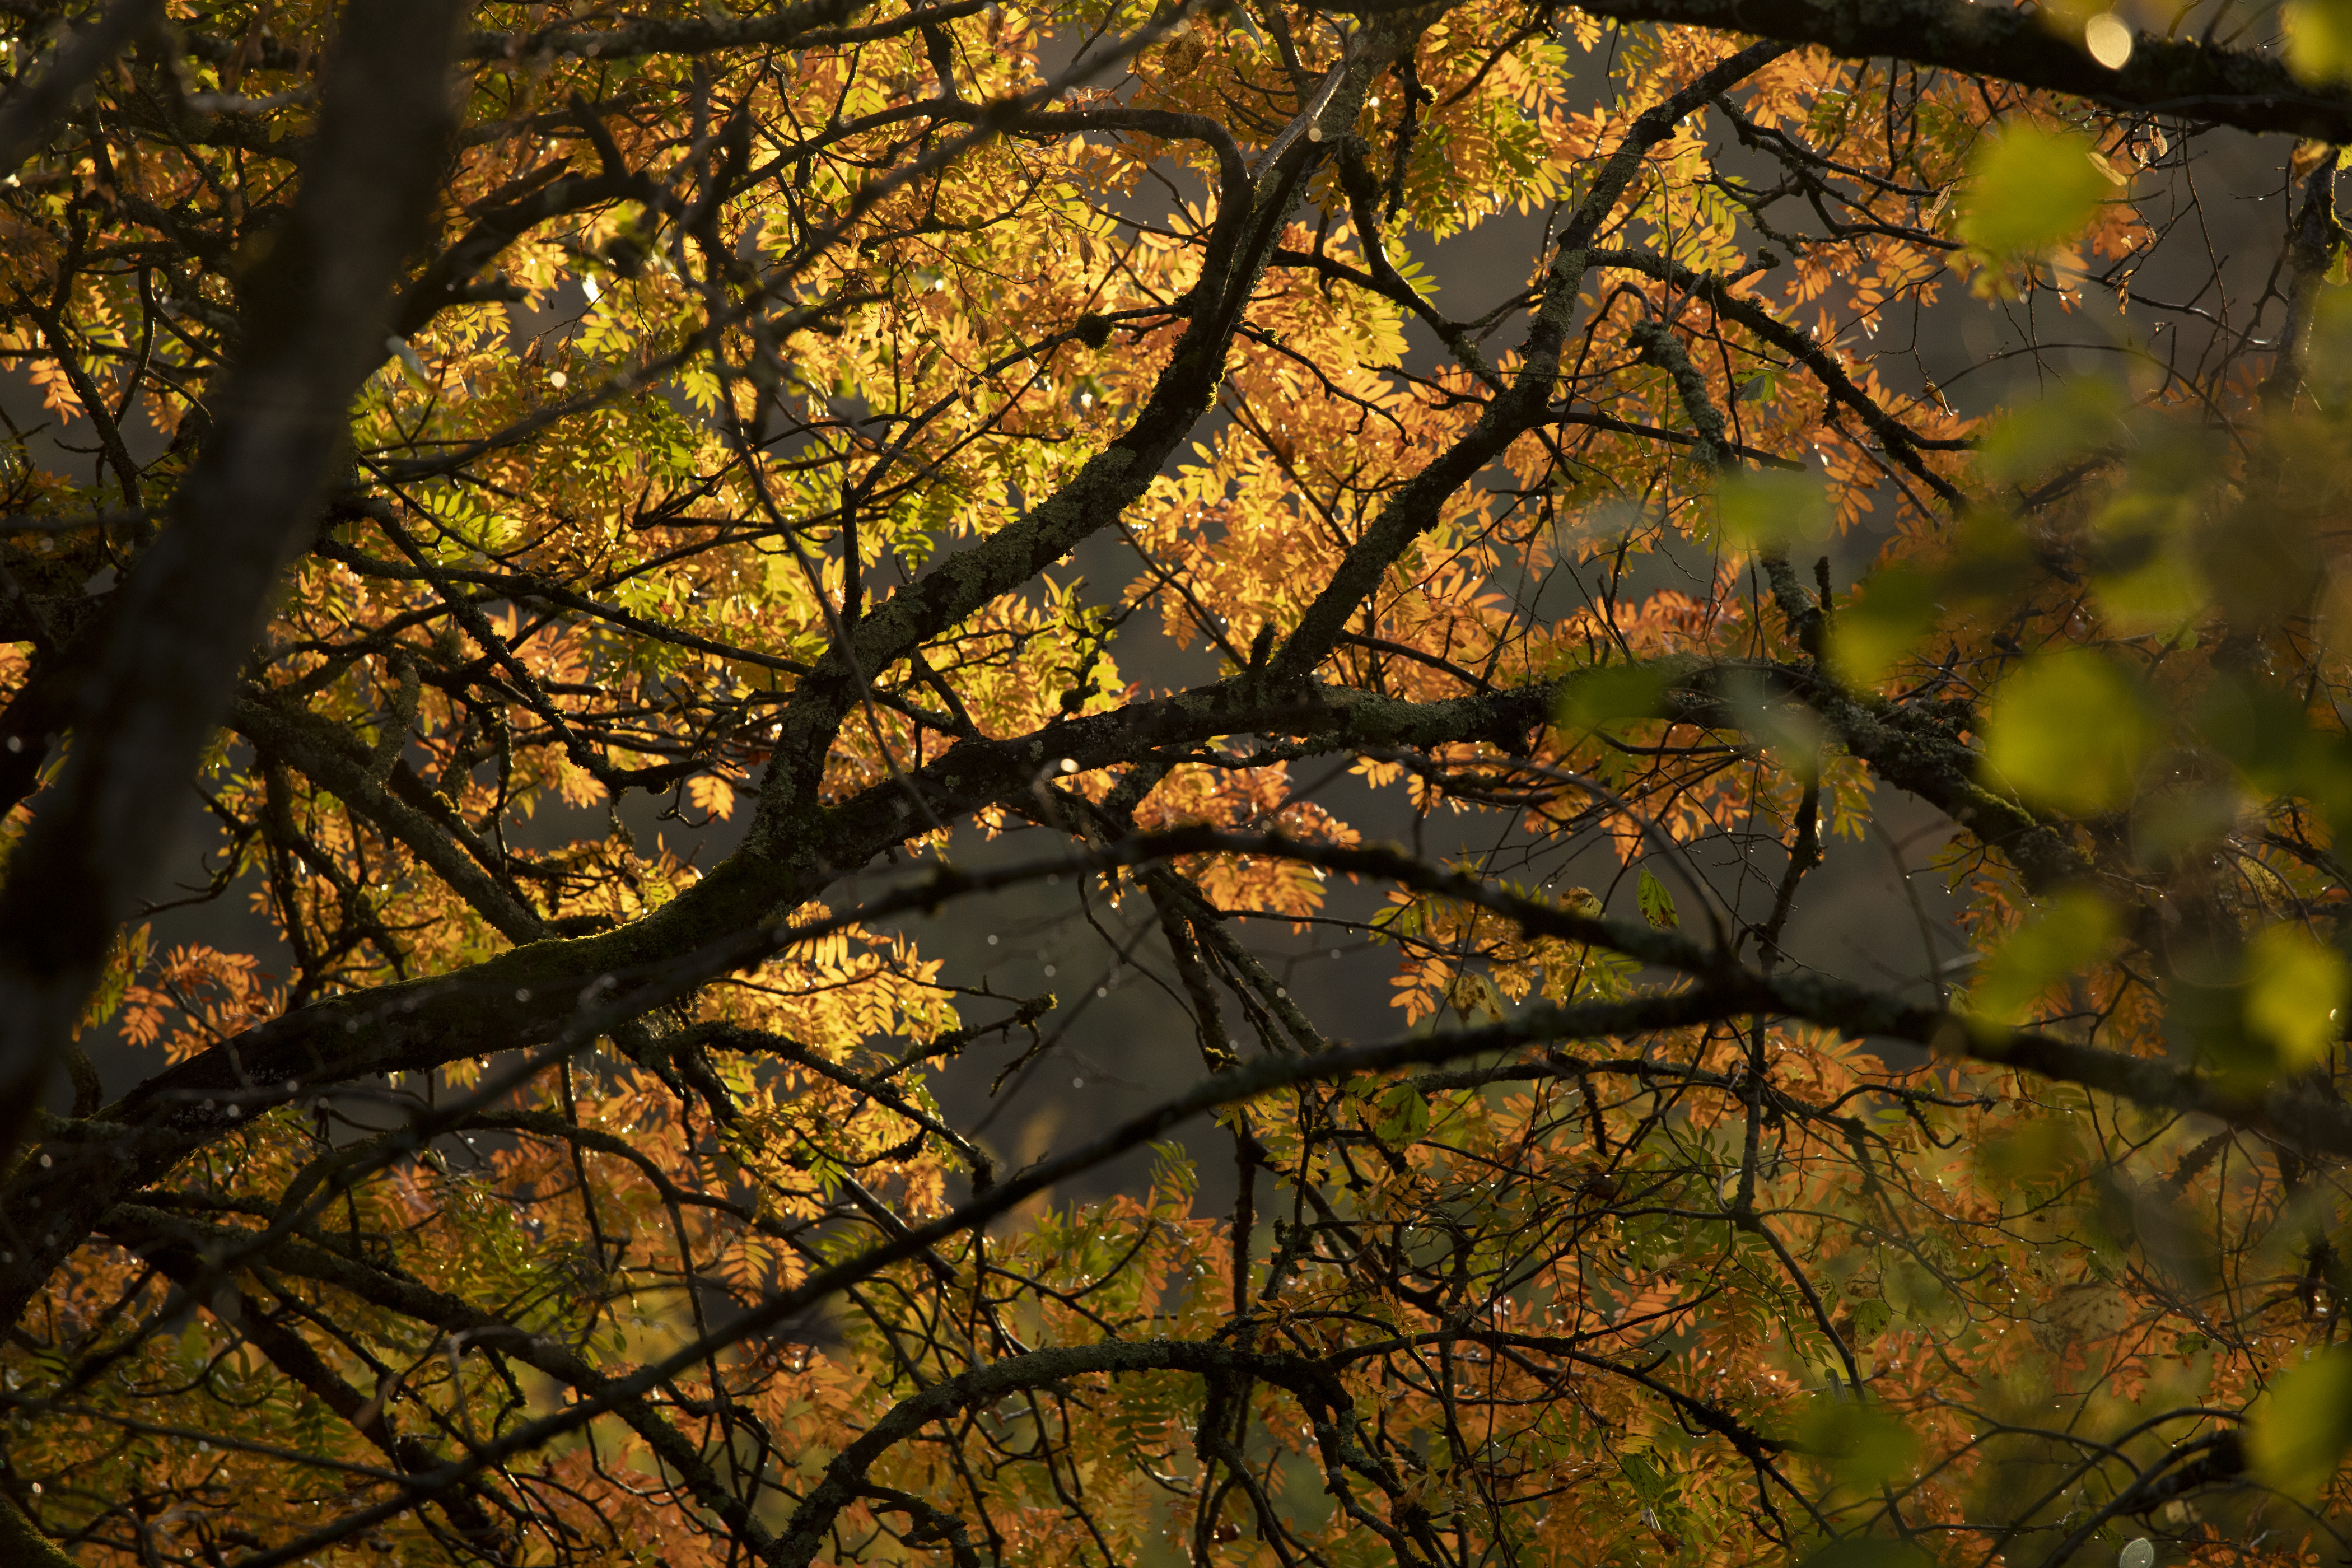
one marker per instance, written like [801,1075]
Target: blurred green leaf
[2031,189]
[2144,547]
[2068,730]
[1863,1443]
[2295,988]
[2030,439]
[2259,727]
[2148,1216]
[1597,697]
[1792,730]
[2064,937]
[2264,732]
[2328,358]
[2304,1424]
[1760,509]
[2318,38]
[1869,634]
[2030,1151]
[2163,591]
[2144,557]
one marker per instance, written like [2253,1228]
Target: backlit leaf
[1657,903]
[2318,38]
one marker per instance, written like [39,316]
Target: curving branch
[315,749]
[1240,246]
[1900,440]
[1246,1082]
[844,1481]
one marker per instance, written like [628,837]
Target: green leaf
[2301,1430]
[2295,988]
[2036,437]
[1403,1114]
[1657,904]
[1652,1485]
[1597,697]
[1863,1443]
[1869,634]
[2068,730]
[1758,511]
[2032,190]
[2318,38]
[2064,937]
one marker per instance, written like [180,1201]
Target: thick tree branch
[790,27]
[2032,47]
[191,608]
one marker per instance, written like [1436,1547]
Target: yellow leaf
[711,793]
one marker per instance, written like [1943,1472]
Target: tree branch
[189,611]
[33,111]
[2163,76]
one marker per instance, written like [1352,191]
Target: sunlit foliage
[552,1190]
